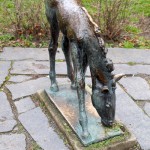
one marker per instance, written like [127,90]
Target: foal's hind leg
[80,63]
[70,72]
[54,29]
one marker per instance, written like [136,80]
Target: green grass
[128,44]
[6,37]
[6,12]
[90,6]
[142,7]
[132,29]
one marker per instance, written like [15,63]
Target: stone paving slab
[7,122]
[24,105]
[12,142]
[36,67]
[7,125]
[4,67]
[19,78]
[135,69]
[127,110]
[88,80]
[147,108]
[18,53]
[118,55]
[42,67]
[39,67]
[133,117]
[123,55]
[36,123]
[30,87]
[137,87]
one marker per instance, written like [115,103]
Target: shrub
[24,17]
[112,16]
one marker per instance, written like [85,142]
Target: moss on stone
[131,63]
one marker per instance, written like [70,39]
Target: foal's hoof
[73,86]
[85,135]
[54,88]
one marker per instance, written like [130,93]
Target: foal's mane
[96,27]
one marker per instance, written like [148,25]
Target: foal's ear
[117,77]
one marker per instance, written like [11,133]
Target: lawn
[23,23]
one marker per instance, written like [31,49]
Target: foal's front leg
[80,68]
[54,29]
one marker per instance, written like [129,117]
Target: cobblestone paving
[25,126]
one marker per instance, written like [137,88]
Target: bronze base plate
[66,101]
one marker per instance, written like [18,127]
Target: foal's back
[72,20]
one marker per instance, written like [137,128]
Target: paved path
[23,123]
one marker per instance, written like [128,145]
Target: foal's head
[104,100]
[104,85]
[103,81]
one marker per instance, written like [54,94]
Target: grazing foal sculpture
[84,47]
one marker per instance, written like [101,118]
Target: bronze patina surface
[82,47]
[66,102]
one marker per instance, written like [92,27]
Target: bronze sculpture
[82,45]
